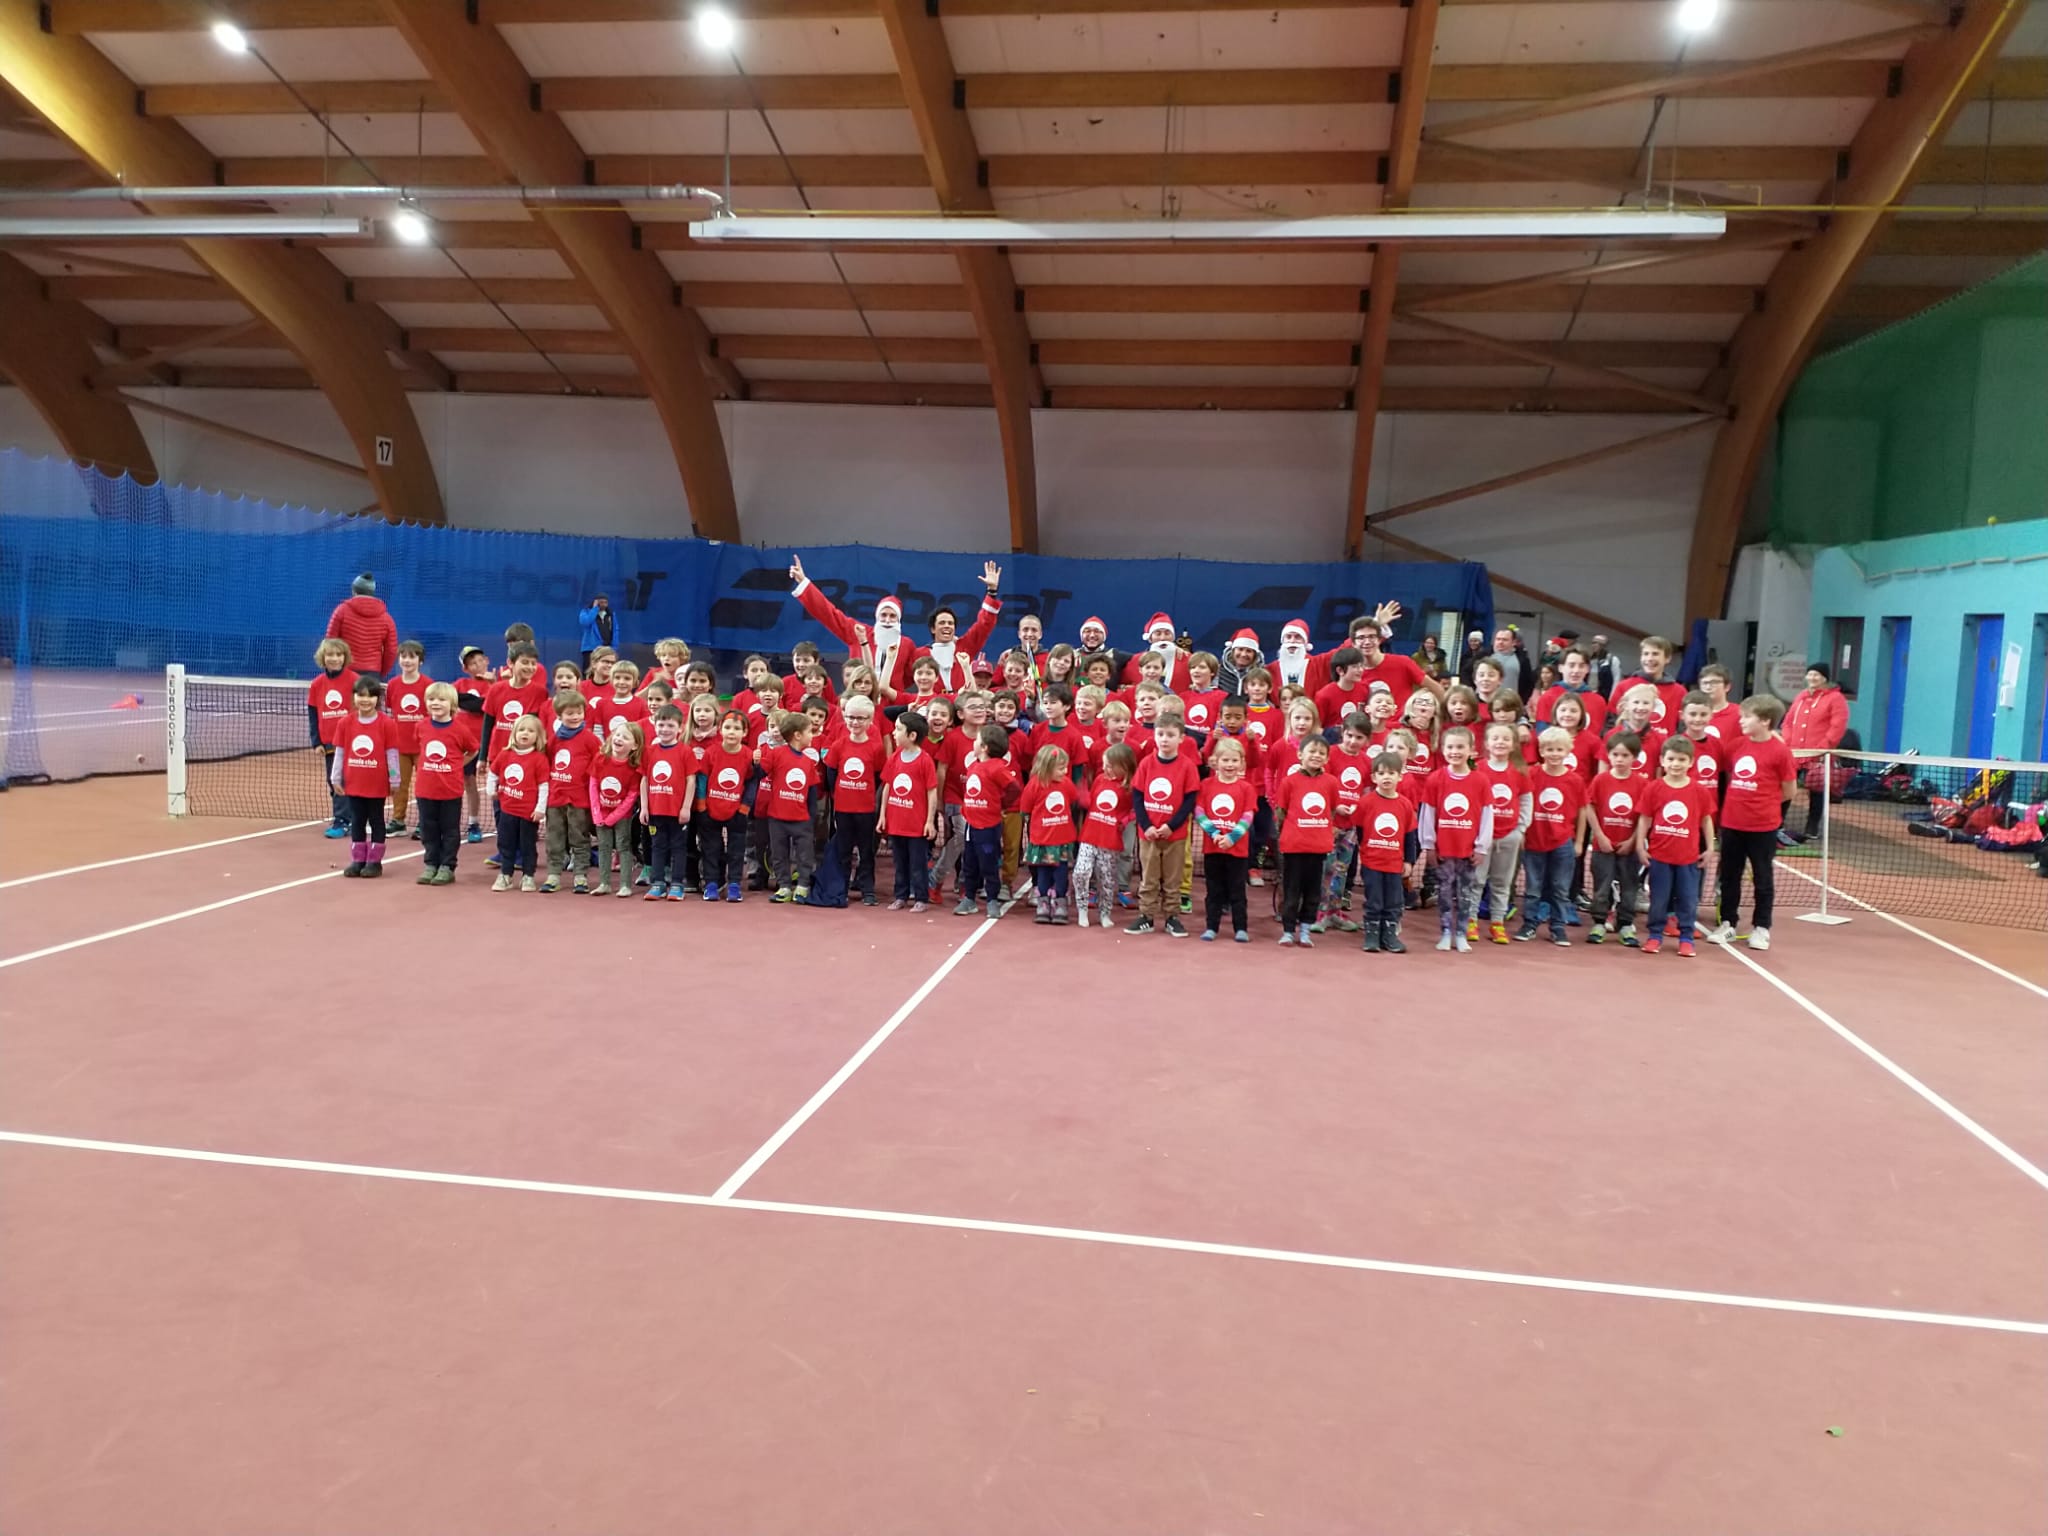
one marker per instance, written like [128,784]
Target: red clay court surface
[1106,1235]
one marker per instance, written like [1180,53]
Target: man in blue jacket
[599,628]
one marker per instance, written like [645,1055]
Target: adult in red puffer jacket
[365,623]
[1818,719]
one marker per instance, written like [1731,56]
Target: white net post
[174,738]
[1826,764]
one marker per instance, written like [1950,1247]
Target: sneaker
[918,906]
[1720,933]
[734,893]
[491,862]
[1524,935]
[551,885]
[1318,926]
[1125,900]
[1443,945]
[967,907]
[641,878]
[1597,936]
[1559,936]
[1240,936]
[1043,913]
[1759,939]
[898,904]
[625,889]
[1304,940]
[676,893]
[713,892]
[1059,916]
[1175,928]
[871,900]
[802,895]
[1106,920]
[1651,946]
[445,875]
[1343,925]
[1670,927]
[1370,944]
[354,870]
[1461,944]
[1390,940]
[1629,938]
[657,892]
[602,888]
[502,883]
[1187,903]
[1208,935]
[1471,927]
[427,876]
[1498,932]
[1685,950]
[1256,881]
[781,895]
[526,883]
[583,885]
[1142,925]
[416,835]
[475,834]
[1286,936]
[337,830]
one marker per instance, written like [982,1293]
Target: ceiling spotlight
[230,37]
[410,225]
[715,28]
[1698,15]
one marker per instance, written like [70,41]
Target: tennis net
[1960,839]
[239,746]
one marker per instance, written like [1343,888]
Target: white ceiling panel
[940,373]
[1753,267]
[525,361]
[923,267]
[1191,202]
[1630,31]
[438,316]
[1509,375]
[736,266]
[920,322]
[167,312]
[576,362]
[300,134]
[1194,39]
[398,261]
[2005,122]
[844,46]
[194,58]
[558,317]
[2029,35]
[1292,327]
[1183,130]
[1045,266]
[836,200]
[781,322]
[1624,123]
[1090,373]
[703,133]
[1508,326]
[15,145]
[1421,264]
[78,258]
[1652,327]
[1682,121]
[793,368]
[236,357]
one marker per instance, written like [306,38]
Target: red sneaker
[1670,927]
[1685,951]
[1652,946]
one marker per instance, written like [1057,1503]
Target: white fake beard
[943,652]
[887,636]
[1292,663]
[1165,647]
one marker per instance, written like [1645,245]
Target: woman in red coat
[1817,720]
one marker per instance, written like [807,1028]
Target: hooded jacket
[365,623]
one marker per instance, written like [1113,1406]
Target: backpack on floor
[828,880]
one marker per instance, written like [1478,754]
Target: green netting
[1937,423]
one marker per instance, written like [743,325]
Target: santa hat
[1091,620]
[888,604]
[1244,639]
[1158,621]
[1294,627]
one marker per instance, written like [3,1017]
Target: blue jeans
[981,865]
[1674,890]
[1546,882]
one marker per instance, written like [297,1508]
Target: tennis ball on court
[1990,519]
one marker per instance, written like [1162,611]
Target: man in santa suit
[1094,642]
[956,656]
[1159,636]
[1292,663]
[882,645]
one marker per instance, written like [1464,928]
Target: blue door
[1899,637]
[1990,629]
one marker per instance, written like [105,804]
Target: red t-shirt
[1353,773]
[442,749]
[328,697]
[1070,739]
[1616,803]
[789,775]
[1254,751]
[1670,699]
[1587,756]
[477,687]
[1708,760]
[1758,771]
[984,787]
[1401,674]
[1226,805]
[1384,822]
[908,783]
[1308,804]
[1559,799]
[1460,801]
[668,769]
[1650,759]
[408,705]
[1726,723]
[858,765]
[950,753]
[1202,707]
[1423,759]
[1334,701]
[1264,726]
[520,777]
[613,781]
[1048,813]
[725,779]
[1162,783]
[1504,790]
[607,709]
[362,744]
[570,760]
[1676,818]
[505,704]
[1109,802]
[1597,710]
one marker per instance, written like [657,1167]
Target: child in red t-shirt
[365,770]
[1225,807]
[988,788]
[518,785]
[1390,862]
[1608,824]
[726,769]
[854,762]
[327,707]
[1760,776]
[1676,827]
[949,749]
[1103,829]
[1507,792]
[1308,831]
[788,798]
[447,741]
[1048,807]
[615,801]
[573,749]
[669,779]
[1550,848]
[471,689]
[406,699]
[1457,827]
[910,811]
[1351,766]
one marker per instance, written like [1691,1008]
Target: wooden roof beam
[1418,48]
[75,17]
[1891,151]
[670,346]
[925,64]
[79,92]
[46,349]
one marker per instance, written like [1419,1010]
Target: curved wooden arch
[46,348]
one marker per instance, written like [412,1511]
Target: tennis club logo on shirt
[434,751]
[1456,805]
[1105,801]
[793,780]
[663,771]
[1503,794]
[1551,799]
[974,785]
[900,785]
[1620,803]
[362,746]
[1657,710]
[513,710]
[515,773]
[1707,765]
[853,768]
[1224,806]
[1256,729]
[1198,714]
[1159,791]
[1675,813]
[333,698]
[1745,767]
[1056,804]
[561,757]
[1386,824]
[409,704]
[1313,804]
[728,778]
[1571,762]
[1351,778]
[1422,752]
[609,786]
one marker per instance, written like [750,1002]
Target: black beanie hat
[1822,668]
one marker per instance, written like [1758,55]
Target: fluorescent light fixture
[834,229]
[715,28]
[1698,15]
[230,37]
[410,225]
[256,226]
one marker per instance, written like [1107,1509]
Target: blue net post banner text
[107,573]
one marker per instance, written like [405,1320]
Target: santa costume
[1159,637]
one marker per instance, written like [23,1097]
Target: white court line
[1066,1234]
[1899,922]
[1890,1066]
[101,713]
[178,917]
[795,1122]
[161,853]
